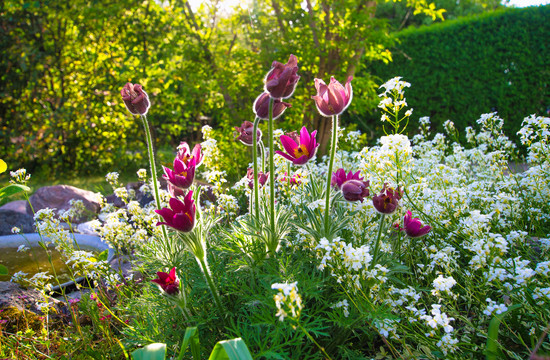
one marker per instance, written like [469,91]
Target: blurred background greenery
[63,64]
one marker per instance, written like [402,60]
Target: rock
[17,205]
[59,196]
[125,266]
[135,194]
[86,228]
[11,218]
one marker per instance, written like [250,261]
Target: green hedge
[497,61]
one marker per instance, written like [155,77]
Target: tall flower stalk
[333,145]
[271,170]
[255,159]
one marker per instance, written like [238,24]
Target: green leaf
[3,166]
[102,256]
[234,349]
[191,335]
[3,270]
[13,189]
[156,351]
[491,348]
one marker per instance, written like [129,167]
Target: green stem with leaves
[271,169]
[211,285]
[255,159]
[329,172]
[315,342]
[377,243]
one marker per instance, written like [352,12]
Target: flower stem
[271,170]
[377,244]
[313,340]
[153,171]
[329,173]
[255,159]
[211,285]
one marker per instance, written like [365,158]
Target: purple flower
[281,80]
[174,191]
[180,215]
[262,178]
[340,177]
[261,107]
[387,201]
[183,174]
[186,155]
[332,99]
[245,133]
[413,226]
[355,190]
[168,282]
[135,99]
[300,153]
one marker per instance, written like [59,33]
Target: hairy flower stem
[333,145]
[255,159]
[153,171]
[315,342]
[271,169]
[211,285]
[377,244]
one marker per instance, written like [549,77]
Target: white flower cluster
[228,205]
[19,176]
[344,305]
[437,320]
[443,285]
[287,301]
[494,308]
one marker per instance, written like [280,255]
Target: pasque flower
[388,200]
[180,215]
[245,133]
[332,99]
[261,107]
[299,153]
[340,177]
[413,226]
[262,178]
[355,190]
[281,80]
[183,174]
[135,99]
[168,282]
[186,155]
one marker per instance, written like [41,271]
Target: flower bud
[281,80]
[245,133]
[261,107]
[387,201]
[355,190]
[135,99]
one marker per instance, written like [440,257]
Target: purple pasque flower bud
[355,190]
[413,226]
[299,153]
[261,107]
[340,177]
[168,282]
[186,155]
[281,80]
[135,99]
[183,174]
[262,178]
[180,215]
[332,99]
[388,200]
[245,133]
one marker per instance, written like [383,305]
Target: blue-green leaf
[234,349]
[156,351]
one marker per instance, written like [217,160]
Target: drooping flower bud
[168,282]
[340,177]
[261,107]
[281,80]
[180,215]
[135,99]
[413,226]
[355,190]
[245,133]
[262,178]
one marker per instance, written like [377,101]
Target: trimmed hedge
[459,69]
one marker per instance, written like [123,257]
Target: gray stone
[59,196]
[17,205]
[13,295]
[10,218]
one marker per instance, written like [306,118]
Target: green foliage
[156,351]
[460,69]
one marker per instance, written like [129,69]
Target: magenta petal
[285,155]
[301,160]
[288,144]
[176,205]
[305,138]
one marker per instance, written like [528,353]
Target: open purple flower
[261,107]
[300,153]
[186,155]
[135,99]
[387,201]
[245,133]
[183,174]
[262,178]
[355,190]
[334,98]
[168,282]
[340,177]
[180,215]
[281,80]
[413,226]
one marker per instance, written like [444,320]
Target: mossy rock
[14,320]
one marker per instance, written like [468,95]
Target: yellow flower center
[301,151]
